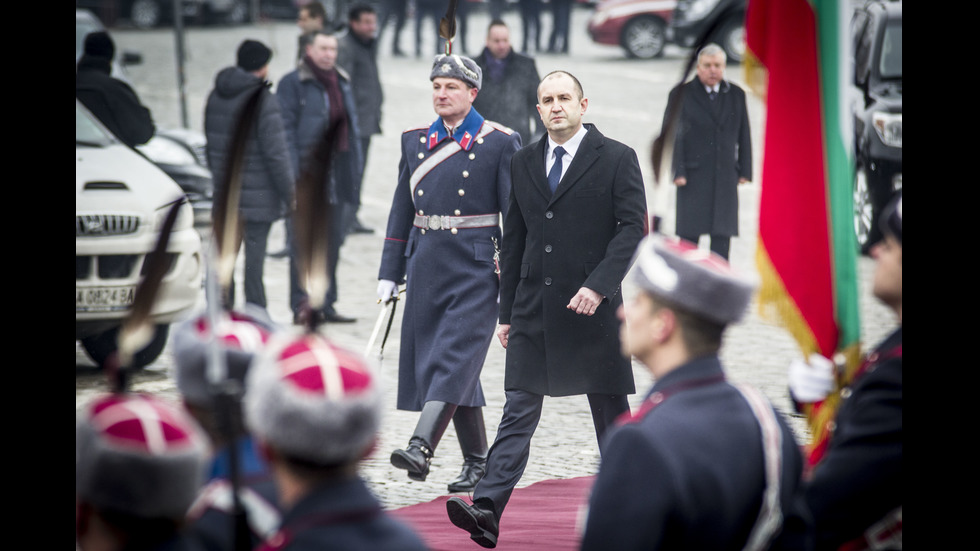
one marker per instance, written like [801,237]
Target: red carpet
[543,515]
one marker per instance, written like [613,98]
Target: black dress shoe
[415,460]
[279,254]
[334,317]
[472,472]
[479,522]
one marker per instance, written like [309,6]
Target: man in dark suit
[510,83]
[712,154]
[573,222]
[702,463]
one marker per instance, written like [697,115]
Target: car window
[89,132]
[862,47]
[890,65]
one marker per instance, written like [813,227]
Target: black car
[693,18]
[876,33]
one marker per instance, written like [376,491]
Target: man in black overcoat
[712,152]
[567,246]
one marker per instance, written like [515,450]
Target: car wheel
[100,347]
[731,37]
[145,14]
[644,37]
[865,212]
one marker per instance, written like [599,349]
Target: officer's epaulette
[414,129]
[499,127]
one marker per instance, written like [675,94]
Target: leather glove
[811,380]
[386,289]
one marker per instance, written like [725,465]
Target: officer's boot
[432,423]
[472,434]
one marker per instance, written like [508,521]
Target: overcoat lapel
[536,167]
[585,157]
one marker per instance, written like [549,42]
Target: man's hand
[503,333]
[811,380]
[386,289]
[681,181]
[585,301]
[744,181]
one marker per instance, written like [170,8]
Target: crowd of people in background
[511,217]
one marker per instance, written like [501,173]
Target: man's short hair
[497,23]
[701,336]
[578,85]
[358,9]
[712,49]
[316,9]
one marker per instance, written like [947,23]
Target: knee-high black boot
[432,424]
[472,435]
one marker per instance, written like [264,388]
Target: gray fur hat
[694,279]
[240,337]
[139,455]
[313,400]
[459,67]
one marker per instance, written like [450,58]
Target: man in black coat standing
[358,55]
[573,222]
[267,175]
[712,153]
[510,83]
[111,100]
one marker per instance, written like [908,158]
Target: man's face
[323,51]
[711,69]
[498,41]
[559,104]
[452,98]
[365,27]
[307,23]
[636,332]
[887,285]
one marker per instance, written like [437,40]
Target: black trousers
[255,239]
[510,451]
[720,244]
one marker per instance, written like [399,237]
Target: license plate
[104,299]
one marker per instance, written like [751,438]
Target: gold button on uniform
[456,212]
[472,156]
[462,192]
[466,174]
[454,231]
[479,141]
[422,139]
[421,213]
[421,155]
[421,193]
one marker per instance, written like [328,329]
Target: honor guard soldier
[315,409]
[853,498]
[443,229]
[138,465]
[703,463]
[216,406]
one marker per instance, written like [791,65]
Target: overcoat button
[421,155]
[422,140]
[472,156]
[421,193]
[549,215]
[456,212]
[421,213]
[462,192]
[547,281]
[466,174]
[480,141]
[454,231]
[423,231]
[547,248]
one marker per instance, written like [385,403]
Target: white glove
[811,381]
[386,289]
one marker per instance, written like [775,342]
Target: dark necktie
[555,175]
[713,94]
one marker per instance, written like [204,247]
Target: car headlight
[185,217]
[165,151]
[599,17]
[889,127]
[697,9]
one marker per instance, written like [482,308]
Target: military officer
[443,229]
[702,463]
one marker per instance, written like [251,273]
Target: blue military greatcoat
[452,286]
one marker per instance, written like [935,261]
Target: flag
[798,60]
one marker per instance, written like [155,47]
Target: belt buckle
[435,222]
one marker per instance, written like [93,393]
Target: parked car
[639,26]
[876,34]
[693,18]
[180,152]
[121,199]
[146,14]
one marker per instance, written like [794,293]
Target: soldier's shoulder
[499,127]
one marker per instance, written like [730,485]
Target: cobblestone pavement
[627,99]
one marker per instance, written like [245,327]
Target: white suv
[121,200]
